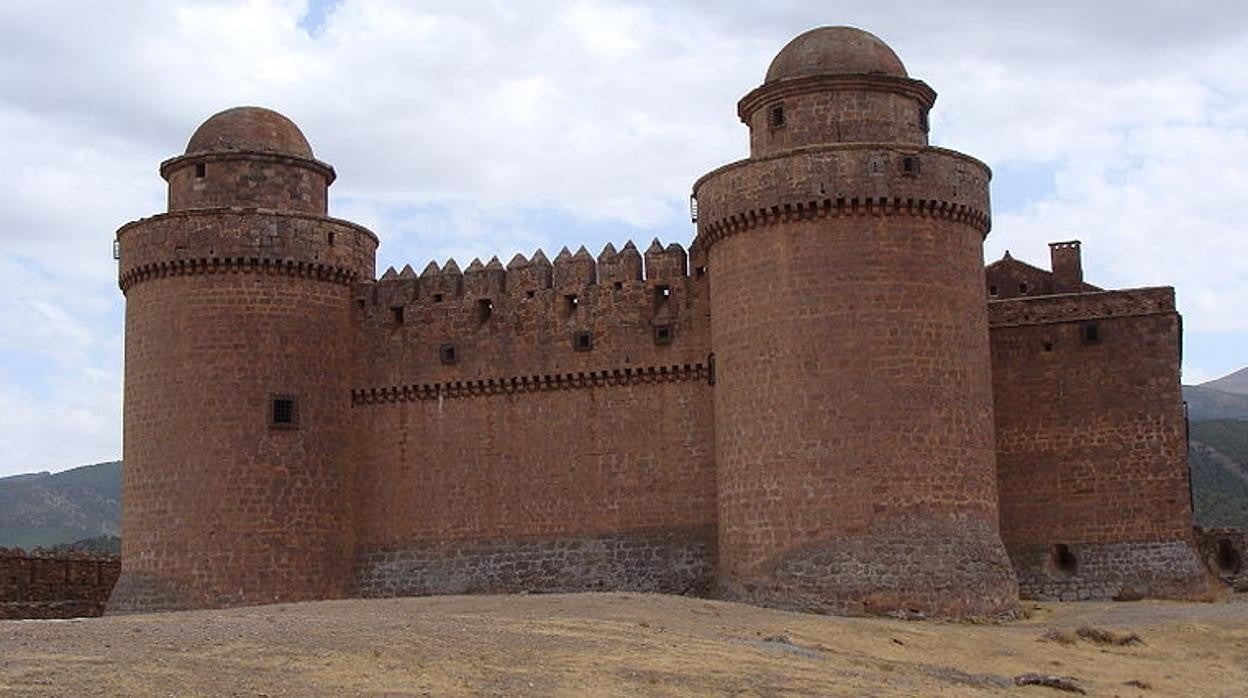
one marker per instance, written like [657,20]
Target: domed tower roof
[835,51]
[250,129]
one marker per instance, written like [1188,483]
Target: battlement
[1075,307]
[534,316]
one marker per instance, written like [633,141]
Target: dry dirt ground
[624,645]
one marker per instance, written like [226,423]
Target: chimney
[1067,267]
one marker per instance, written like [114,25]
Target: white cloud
[466,128]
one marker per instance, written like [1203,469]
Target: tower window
[1022,287]
[283,412]
[583,341]
[775,116]
[662,294]
[910,165]
[570,303]
[1091,333]
[396,315]
[1229,559]
[447,354]
[331,238]
[437,298]
[663,334]
[200,170]
[485,308]
[992,291]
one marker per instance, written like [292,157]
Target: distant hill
[1219,462]
[1206,403]
[1236,382]
[44,509]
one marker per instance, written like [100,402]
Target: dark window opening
[437,298]
[1022,287]
[570,303]
[485,308]
[992,291]
[910,165]
[331,238]
[775,116]
[1048,346]
[1062,559]
[1229,559]
[583,341]
[530,294]
[447,354]
[663,334]
[619,286]
[699,271]
[1091,333]
[396,315]
[200,170]
[360,302]
[662,294]
[283,412]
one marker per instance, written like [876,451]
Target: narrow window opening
[1022,287]
[447,354]
[662,294]
[1229,559]
[283,412]
[396,315]
[437,298]
[1062,559]
[530,294]
[775,116]
[910,165]
[200,170]
[1091,333]
[485,308]
[331,238]
[992,291]
[570,303]
[619,286]
[699,271]
[663,334]
[583,341]
[360,302]
[1048,346]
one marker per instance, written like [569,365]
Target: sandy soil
[620,644]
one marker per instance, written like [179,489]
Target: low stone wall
[1123,571]
[42,584]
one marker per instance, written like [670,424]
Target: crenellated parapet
[577,313]
[860,180]
[1076,307]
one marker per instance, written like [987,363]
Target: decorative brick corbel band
[235,265]
[531,384]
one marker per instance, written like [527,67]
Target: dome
[835,51]
[253,129]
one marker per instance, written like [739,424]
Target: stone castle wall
[1091,445]
[60,585]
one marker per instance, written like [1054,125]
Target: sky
[473,129]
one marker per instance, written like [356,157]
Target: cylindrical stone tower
[853,404]
[238,304]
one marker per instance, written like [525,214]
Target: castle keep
[824,404]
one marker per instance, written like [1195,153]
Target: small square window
[1091,333]
[662,294]
[1023,287]
[663,334]
[583,341]
[447,354]
[775,116]
[485,308]
[283,412]
[200,170]
[437,298]
[992,291]
[571,303]
[910,165]
[396,315]
[619,286]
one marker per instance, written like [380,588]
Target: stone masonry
[822,404]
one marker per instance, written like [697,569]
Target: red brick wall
[34,585]
[1091,444]
[259,180]
[531,464]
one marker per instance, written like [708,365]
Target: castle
[824,404]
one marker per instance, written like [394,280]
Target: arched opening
[1061,559]
[1230,561]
